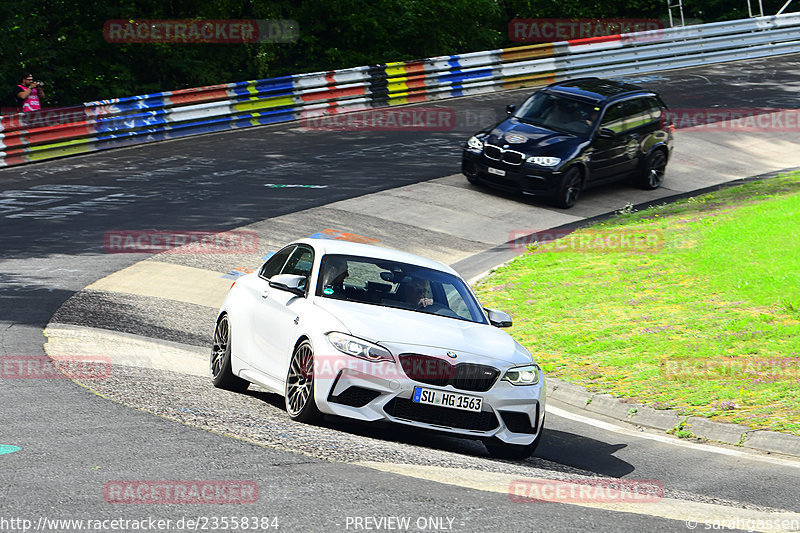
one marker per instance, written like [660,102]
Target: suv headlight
[544,161]
[474,144]
[360,348]
[523,375]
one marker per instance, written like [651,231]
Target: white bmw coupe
[369,333]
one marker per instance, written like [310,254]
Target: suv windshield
[559,113]
[401,285]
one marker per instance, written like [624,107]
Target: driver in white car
[415,292]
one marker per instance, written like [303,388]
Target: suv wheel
[653,172]
[570,189]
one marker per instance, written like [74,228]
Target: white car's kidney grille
[440,372]
[478,378]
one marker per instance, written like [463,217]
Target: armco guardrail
[154,117]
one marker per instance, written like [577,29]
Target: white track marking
[694,513]
[670,440]
[167,280]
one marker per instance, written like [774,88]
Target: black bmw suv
[572,135]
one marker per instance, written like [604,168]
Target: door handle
[265,294]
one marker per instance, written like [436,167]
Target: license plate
[496,171]
[447,399]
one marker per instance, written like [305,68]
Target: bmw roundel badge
[452,354]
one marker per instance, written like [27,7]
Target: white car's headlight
[360,348]
[475,144]
[523,375]
[544,161]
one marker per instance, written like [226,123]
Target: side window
[275,263]
[300,263]
[455,302]
[656,109]
[614,119]
[637,113]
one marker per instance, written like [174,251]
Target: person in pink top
[29,94]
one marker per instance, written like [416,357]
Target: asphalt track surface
[52,219]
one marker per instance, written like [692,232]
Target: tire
[221,373]
[473,181]
[570,188]
[299,396]
[502,450]
[652,176]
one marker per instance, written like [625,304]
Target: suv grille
[441,416]
[512,157]
[439,372]
[493,152]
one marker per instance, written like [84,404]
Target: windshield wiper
[529,121]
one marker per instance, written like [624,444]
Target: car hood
[527,138]
[401,329]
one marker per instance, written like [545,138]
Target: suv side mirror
[510,108]
[290,283]
[498,319]
[606,133]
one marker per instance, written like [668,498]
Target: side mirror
[290,283]
[510,108]
[605,133]
[498,319]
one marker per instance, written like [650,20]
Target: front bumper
[523,178]
[381,392]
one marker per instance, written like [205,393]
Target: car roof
[337,246]
[595,90]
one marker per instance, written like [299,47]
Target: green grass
[708,322]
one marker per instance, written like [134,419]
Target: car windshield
[393,284]
[559,113]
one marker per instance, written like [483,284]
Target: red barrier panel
[333,93]
[194,96]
